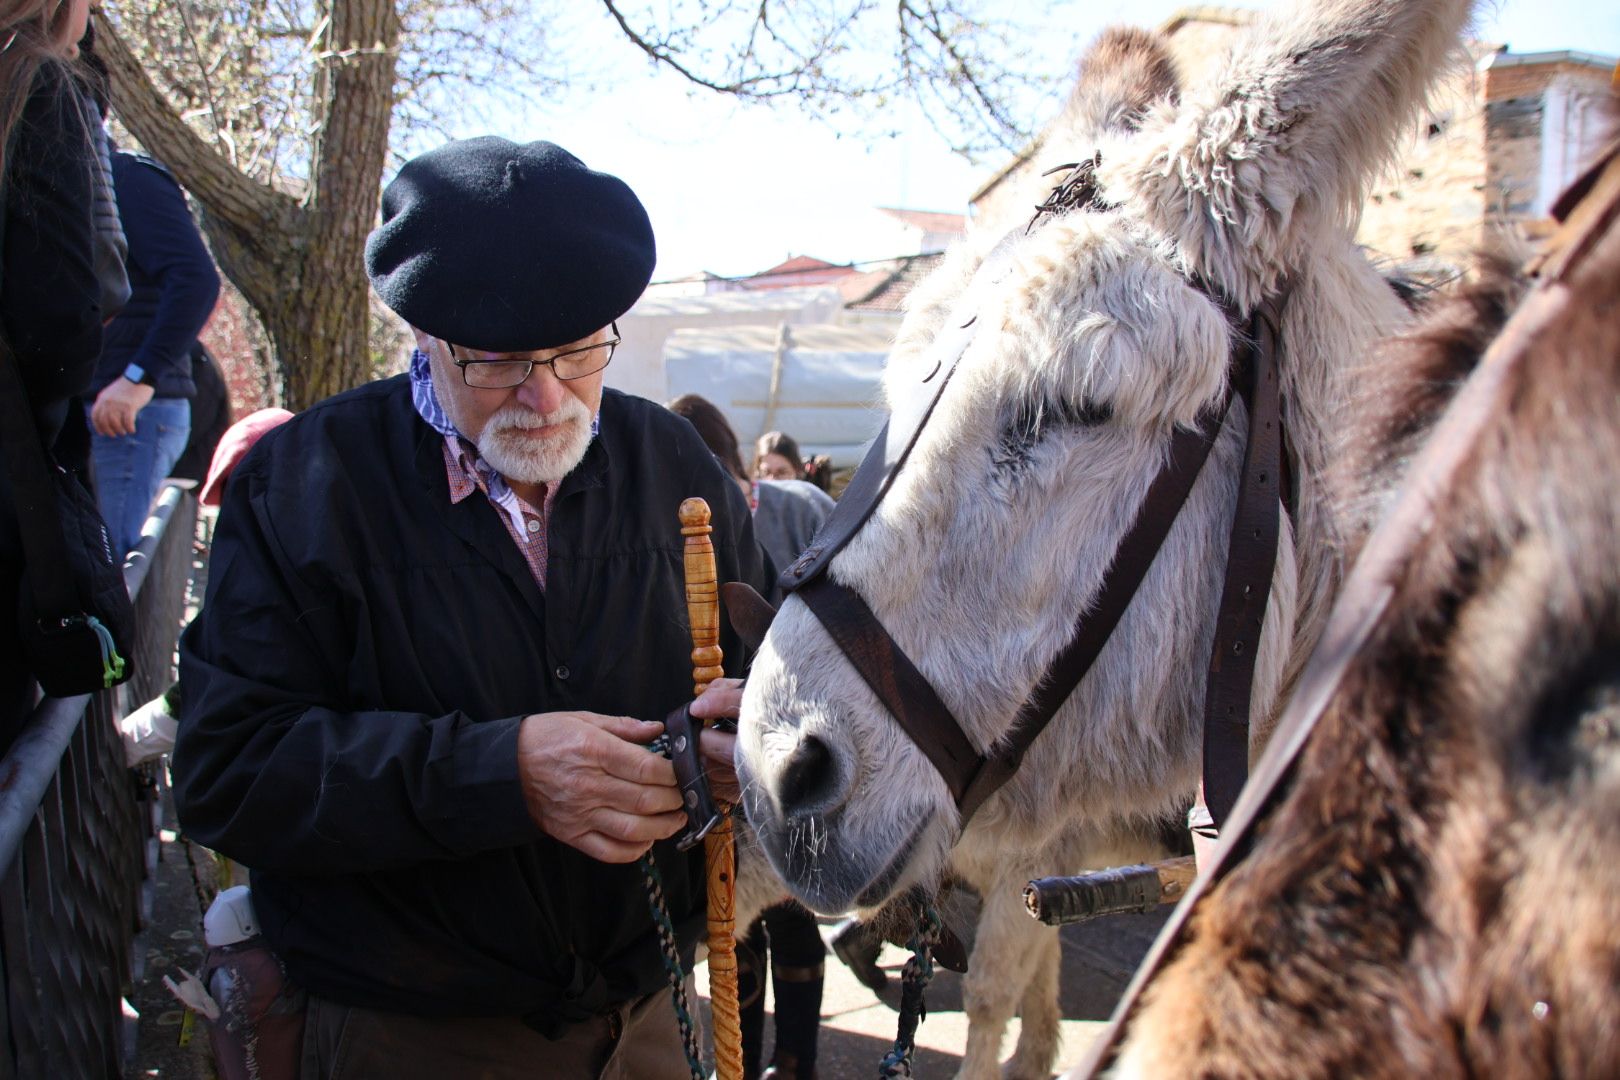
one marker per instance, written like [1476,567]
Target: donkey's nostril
[807,776]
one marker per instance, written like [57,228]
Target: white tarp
[819,385]
[638,365]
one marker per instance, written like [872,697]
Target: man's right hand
[591,784]
[115,408]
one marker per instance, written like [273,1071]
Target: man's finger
[607,849]
[632,762]
[637,828]
[719,750]
[636,798]
[626,728]
[722,700]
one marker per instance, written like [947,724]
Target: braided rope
[672,964]
[914,979]
[670,947]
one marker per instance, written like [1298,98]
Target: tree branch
[231,197]
[750,87]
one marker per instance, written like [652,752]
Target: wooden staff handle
[703,613]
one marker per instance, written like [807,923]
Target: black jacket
[354,683]
[50,316]
[50,296]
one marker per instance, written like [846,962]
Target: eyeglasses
[502,374]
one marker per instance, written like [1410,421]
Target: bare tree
[276,114]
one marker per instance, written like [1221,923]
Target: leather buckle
[682,733]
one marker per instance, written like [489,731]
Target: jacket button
[562,671]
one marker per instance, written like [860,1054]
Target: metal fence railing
[74,829]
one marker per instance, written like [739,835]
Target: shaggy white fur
[1088,354]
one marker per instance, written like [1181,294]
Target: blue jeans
[130,468]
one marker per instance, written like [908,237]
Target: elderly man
[445,613]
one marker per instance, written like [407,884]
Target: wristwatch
[137,374]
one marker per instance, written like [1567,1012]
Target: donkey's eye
[1035,420]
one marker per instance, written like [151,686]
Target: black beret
[509,248]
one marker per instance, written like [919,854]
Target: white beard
[530,460]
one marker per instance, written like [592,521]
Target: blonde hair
[31,38]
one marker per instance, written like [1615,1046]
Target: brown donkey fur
[1436,893]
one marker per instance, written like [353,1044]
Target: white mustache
[516,416]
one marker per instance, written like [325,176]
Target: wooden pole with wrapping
[703,612]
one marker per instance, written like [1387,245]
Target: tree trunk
[299,262]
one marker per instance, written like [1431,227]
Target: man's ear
[424,340]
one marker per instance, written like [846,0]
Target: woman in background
[51,310]
[777,457]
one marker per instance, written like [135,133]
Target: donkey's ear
[1275,153]
[1123,74]
[749,613]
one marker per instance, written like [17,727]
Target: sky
[734,189]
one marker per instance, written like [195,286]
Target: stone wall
[1430,205]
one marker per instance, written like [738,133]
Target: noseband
[971,775]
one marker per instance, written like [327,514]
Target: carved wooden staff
[703,612]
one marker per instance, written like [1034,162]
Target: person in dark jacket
[50,296]
[141,394]
[445,615]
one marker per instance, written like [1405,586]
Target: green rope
[112,665]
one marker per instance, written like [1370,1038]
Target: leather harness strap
[905,692]
[972,777]
[1251,557]
[893,444]
[902,689]
[1189,449]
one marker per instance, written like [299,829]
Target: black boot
[857,944]
[751,998]
[797,1011]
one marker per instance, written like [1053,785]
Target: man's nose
[542,391]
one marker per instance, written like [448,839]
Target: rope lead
[670,947]
[914,979]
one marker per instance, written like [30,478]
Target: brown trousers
[639,1040]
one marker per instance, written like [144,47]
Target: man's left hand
[721,701]
[116,407]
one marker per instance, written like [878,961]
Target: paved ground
[166,1045]
[857,1030]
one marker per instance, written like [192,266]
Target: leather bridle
[973,776]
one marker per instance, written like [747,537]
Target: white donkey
[1098,342]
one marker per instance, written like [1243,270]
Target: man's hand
[721,701]
[591,784]
[115,408]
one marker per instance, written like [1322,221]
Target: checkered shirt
[468,472]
